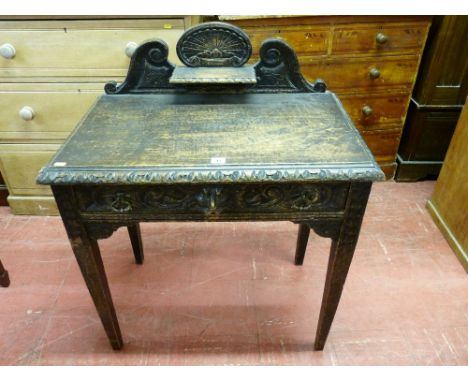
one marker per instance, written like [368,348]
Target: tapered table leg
[137,245]
[89,259]
[301,246]
[4,279]
[341,254]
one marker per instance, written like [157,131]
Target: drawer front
[376,111]
[383,143]
[20,164]
[32,205]
[305,41]
[75,50]
[54,112]
[362,74]
[214,202]
[379,38]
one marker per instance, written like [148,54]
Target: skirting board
[451,239]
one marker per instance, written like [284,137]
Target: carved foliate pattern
[216,199]
[58,176]
[214,44]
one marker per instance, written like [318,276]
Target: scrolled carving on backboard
[149,71]
[214,44]
[278,69]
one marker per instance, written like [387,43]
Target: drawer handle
[367,110]
[374,73]
[7,51]
[130,48]
[381,38]
[27,113]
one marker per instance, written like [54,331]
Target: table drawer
[55,109]
[376,111]
[362,74]
[379,38]
[214,202]
[304,40]
[74,48]
[20,164]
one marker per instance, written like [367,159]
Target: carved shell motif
[214,44]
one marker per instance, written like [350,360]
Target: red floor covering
[228,293]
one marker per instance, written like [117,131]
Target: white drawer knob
[27,113]
[130,48]
[7,51]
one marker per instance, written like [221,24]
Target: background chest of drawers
[51,71]
[370,62]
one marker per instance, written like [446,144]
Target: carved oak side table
[214,140]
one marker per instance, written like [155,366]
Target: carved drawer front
[380,38]
[362,74]
[79,48]
[50,112]
[214,201]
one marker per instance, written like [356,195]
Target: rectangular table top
[171,138]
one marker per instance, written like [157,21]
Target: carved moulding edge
[76,176]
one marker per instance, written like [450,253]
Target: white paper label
[60,164]
[218,160]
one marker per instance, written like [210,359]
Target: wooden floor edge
[451,239]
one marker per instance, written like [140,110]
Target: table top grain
[171,138]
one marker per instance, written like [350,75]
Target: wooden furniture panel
[32,205]
[367,60]
[56,109]
[59,68]
[391,38]
[376,111]
[314,42]
[22,162]
[443,78]
[362,73]
[440,90]
[79,48]
[289,152]
[449,202]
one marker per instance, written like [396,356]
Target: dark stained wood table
[215,140]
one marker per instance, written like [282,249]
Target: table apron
[213,202]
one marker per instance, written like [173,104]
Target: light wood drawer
[356,73]
[80,48]
[385,110]
[57,109]
[20,164]
[32,205]
[305,41]
[363,39]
